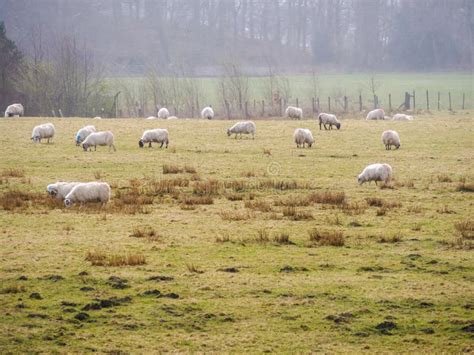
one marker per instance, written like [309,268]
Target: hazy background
[151,39]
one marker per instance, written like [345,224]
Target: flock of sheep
[75,192]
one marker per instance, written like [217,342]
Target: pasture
[219,244]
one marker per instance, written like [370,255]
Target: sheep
[88,192]
[158,135]
[207,112]
[43,131]
[151,118]
[163,113]
[60,189]
[14,110]
[377,114]
[244,127]
[294,112]
[302,136]
[327,118]
[375,172]
[172,118]
[99,138]
[402,117]
[390,138]
[83,133]
[97,118]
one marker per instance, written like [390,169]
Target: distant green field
[350,85]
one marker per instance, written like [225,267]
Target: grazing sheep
[172,118]
[99,138]
[163,113]
[14,110]
[97,118]
[61,189]
[302,136]
[375,172]
[83,133]
[402,117]
[245,127]
[207,112]
[151,118]
[158,135]
[390,138]
[43,131]
[377,114]
[294,112]
[330,119]
[88,192]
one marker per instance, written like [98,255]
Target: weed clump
[326,237]
[98,258]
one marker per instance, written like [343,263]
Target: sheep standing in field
[302,136]
[60,189]
[377,114]
[390,138]
[99,138]
[402,117]
[88,192]
[245,127]
[207,112]
[14,110]
[328,119]
[294,112]
[43,131]
[375,172]
[158,135]
[83,133]
[163,113]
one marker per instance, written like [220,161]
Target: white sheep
[163,113]
[377,114]
[43,131]
[328,119]
[88,192]
[207,112]
[390,138]
[375,172]
[60,189]
[83,133]
[158,135]
[172,118]
[99,138]
[244,127]
[302,136]
[294,112]
[14,110]
[402,117]
[97,118]
[151,118]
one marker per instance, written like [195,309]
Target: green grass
[350,85]
[249,279]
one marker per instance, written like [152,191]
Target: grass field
[350,85]
[243,245]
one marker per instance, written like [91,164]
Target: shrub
[101,259]
[326,237]
[328,197]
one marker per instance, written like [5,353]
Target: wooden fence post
[407,101]
[263,108]
[439,98]
[414,102]
[360,102]
[450,107]
[390,103]
[329,104]
[463,99]
[427,100]
[319,106]
[345,104]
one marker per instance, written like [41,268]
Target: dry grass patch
[293,201]
[445,210]
[396,238]
[297,215]
[258,205]
[326,237]
[282,238]
[197,200]
[235,215]
[16,199]
[248,174]
[284,185]
[223,239]
[145,232]
[378,202]
[444,178]
[13,289]
[263,236]
[465,234]
[328,197]
[175,169]
[207,187]
[465,187]
[98,258]
[233,196]
[194,269]
[13,172]
[236,185]
[353,208]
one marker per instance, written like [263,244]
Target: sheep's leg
[149,144]
[95,148]
[113,146]
[161,146]
[320,125]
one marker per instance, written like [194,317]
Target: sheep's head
[361,179]
[35,139]
[52,189]
[338,125]
[68,202]
[140,143]
[85,146]
[398,145]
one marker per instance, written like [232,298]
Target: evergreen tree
[11,60]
